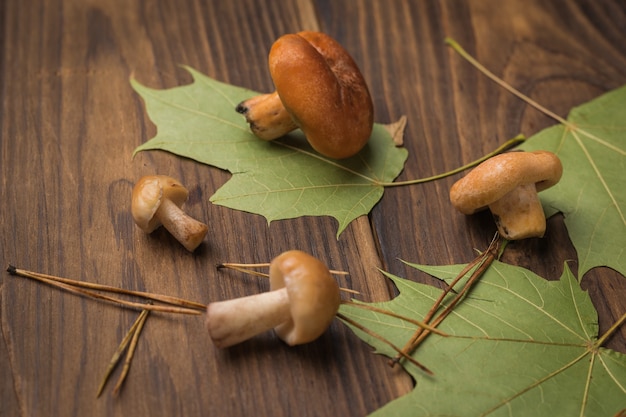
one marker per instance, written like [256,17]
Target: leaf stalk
[507,145]
[610,331]
[465,55]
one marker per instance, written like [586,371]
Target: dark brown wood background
[70,122]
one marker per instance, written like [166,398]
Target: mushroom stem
[519,213]
[267,116]
[187,230]
[233,321]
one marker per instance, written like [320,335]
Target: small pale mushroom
[302,301]
[508,184]
[319,89]
[156,201]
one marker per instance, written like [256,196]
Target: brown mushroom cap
[313,296]
[148,194]
[324,92]
[501,174]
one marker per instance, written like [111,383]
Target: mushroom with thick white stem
[156,201]
[508,185]
[302,302]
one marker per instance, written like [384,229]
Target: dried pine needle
[389,313]
[247,269]
[176,305]
[481,263]
[120,350]
[131,351]
[400,352]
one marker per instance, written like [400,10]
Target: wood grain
[70,122]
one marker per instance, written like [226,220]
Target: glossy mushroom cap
[320,90]
[313,296]
[149,193]
[508,184]
[324,92]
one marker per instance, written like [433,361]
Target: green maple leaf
[518,346]
[281,179]
[592,192]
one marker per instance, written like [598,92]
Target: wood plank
[70,122]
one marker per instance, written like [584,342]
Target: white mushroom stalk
[187,230]
[302,302]
[234,321]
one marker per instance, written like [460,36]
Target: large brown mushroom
[302,301]
[320,90]
[508,184]
[156,201]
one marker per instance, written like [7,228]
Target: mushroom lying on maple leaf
[319,89]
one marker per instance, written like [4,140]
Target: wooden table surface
[70,122]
